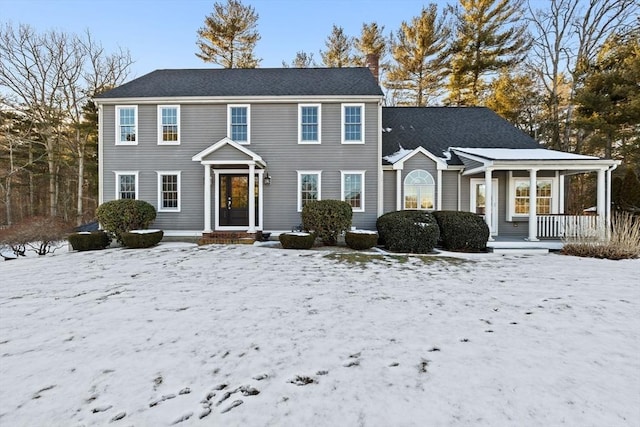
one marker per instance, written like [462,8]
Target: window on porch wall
[543,197]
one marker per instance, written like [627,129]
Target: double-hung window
[126,124]
[352,189]
[168,191]
[239,127]
[126,185]
[544,196]
[169,124]
[308,187]
[353,123]
[309,124]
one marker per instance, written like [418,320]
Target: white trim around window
[318,189]
[230,108]
[356,127]
[126,126]
[172,125]
[303,137]
[356,201]
[125,187]
[553,198]
[169,191]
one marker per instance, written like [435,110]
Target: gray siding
[274,136]
[470,164]
[389,186]
[450,190]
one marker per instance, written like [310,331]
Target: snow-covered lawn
[257,336]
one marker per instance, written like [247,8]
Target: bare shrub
[41,235]
[622,242]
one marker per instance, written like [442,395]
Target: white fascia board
[240,99]
[440,163]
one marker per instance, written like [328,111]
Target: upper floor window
[239,123]
[419,190]
[308,187]
[168,191]
[309,124]
[353,189]
[169,124]
[126,185]
[353,123]
[126,125]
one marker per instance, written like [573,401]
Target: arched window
[419,190]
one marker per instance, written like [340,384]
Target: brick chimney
[373,62]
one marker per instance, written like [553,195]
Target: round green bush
[120,216]
[85,241]
[328,219]
[408,231]
[136,239]
[462,231]
[361,239]
[297,240]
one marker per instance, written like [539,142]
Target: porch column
[398,189]
[488,198]
[207,199]
[600,207]
[252,199]
[561,192]
[533,197]
[608,201]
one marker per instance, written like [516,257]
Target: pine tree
[371,42]
[420,54]
[630,192]
[302,60]
[229,36]
[488,38]
[339,48]
[515,97]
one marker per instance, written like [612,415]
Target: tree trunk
[80,181]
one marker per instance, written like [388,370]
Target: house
[242,150]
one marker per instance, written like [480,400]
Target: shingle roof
[438,128]
[250,82]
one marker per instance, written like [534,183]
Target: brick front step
[229,238]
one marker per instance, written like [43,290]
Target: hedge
[408,231]
[142,238]
[328,219]
[120,216]
[297,240]
[462,231]
[361,239]
[89,241]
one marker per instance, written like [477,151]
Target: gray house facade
[245,149]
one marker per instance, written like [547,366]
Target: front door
[478,201]
[234,200]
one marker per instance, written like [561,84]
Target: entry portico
[237,190]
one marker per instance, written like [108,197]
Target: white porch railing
[565,226]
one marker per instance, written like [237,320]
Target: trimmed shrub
[89,241]
[361,239]
[120,216]
[297,240]
[328,219]
[136,239]
[462,231]
[408,231]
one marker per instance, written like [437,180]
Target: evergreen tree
[302,60]
[229,36]
[339,49]
[630,192]
[419,50]
[489,37]
[515,97]
[609,100]
[371,42]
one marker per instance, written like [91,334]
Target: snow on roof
[522,154]
[392,158]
